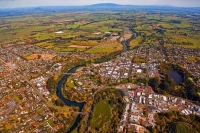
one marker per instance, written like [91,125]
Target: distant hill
[105,5]
[94,7]
[118,5]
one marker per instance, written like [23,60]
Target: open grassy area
[40,56]
[106,47]
[85,43]
[180,128]
[70,83]
[192,58]
[75,131]
[136,41]
[51,123]
[17,99]
[101,114]
[175,28]
[69,46]
[139,60]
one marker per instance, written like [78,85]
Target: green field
[136,41]
[99,50]
[175,28]
[106,47]
[181,128]
[192,58]
[101,114]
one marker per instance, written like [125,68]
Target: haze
[29,3]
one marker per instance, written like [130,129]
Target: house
[126,99]
[140,101]
[135,118]
[140,89]
[182,102]
[139,70]
[80,83]
[138,93]
[144,100]
[150,96]
[175,100]
[164,98]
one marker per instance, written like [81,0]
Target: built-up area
[25,102]
[137,98]
[25,68]
[140,63]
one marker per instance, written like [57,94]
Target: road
[35,90]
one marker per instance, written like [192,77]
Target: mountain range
[94,7]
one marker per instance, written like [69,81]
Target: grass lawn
[101,114]
[136,41]
[192,58]
[70,83]
[75,25]
[65,49]
[74,131]
[139,60]
[85,43]
[51,123]
[106,47]
[180,128]
[44,44]
[17,99]
[40,111]
[69,46]
[167,44]
[99,50]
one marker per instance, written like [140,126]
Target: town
[30,94]
[133,65]
[136,98]
[23,93]
[100,68]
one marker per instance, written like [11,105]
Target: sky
[36,3]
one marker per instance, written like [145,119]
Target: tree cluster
[168,122]
[117,104]
[187,88]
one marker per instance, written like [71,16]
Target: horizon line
[97,4]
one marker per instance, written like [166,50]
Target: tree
[58,102]
[51,84]
[154,83]
[154,130]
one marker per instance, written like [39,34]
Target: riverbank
[82,104]
[68,102]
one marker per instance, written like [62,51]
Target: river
[175,76]
[72,103]
[68,102]
[126,47]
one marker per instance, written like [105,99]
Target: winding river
[126,47]
[73,103]
[68,102]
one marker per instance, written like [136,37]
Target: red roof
[34,124]
[140,89]
[57,127]
[151,89]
